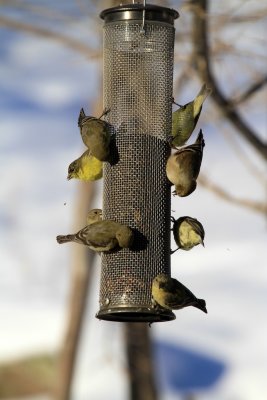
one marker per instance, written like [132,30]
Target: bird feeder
[138,85]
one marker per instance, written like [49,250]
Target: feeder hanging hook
[143,17]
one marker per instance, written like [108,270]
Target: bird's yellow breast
[173,170]
[159,296]
[187,235]
[91,169]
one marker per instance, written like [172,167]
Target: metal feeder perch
[138,83]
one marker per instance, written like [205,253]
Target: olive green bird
[183,167]
[86,168]
[187,232]
[173,295]
[101,236]
[185,118]
[94,215]
[96,135]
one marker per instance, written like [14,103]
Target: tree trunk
[140,364]
[82,270]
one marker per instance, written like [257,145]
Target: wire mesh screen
[138,76]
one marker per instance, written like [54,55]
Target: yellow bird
[101,236]
[183,167]
[86,168]
[187,232]
[185,118]
[173,295]
[95,134]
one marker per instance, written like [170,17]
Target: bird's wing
[175,230]
[103,233]
[197,226]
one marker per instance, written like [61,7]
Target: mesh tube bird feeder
[138,81]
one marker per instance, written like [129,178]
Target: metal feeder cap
[135,12]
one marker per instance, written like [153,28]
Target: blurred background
[51,344]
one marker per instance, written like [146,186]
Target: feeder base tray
[135,314]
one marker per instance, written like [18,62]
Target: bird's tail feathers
[204,92]
[201,304]
[199,100]
[64,238]
[195,147]
[81,117]
[200,139]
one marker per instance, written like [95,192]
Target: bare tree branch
[228,48]
[253,205]
[257,15]
[247,161]
[74,44]
[201,59]
[251,90]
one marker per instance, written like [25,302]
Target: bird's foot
[105,112]
[173,251]
[174,102]
[169,140]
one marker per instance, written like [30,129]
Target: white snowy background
[43,85]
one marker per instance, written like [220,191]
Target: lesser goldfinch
[86,168]
[173,295]
[96,135]
[94,215]
[187,232]
[185,118]
[101,236]
[183,167]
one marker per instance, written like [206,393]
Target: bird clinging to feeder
[173,295]
[183,167]
[185,118]
[101,236]
[187,232]
[95,134]
[86,168]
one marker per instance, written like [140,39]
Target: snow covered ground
[221,355]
